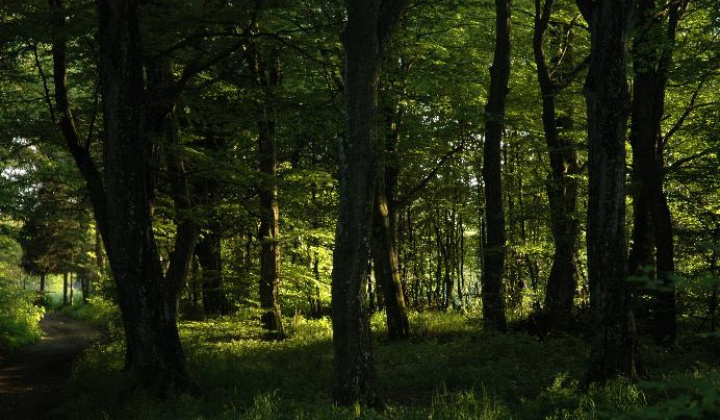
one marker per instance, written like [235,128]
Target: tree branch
[407,199]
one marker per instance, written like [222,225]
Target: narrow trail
[31,380]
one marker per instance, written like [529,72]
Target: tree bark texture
[386,267]
[120,196]
[494,247]
[652,219]
[266,72]
[368,30]
[561,187]
[384,246]
[613,347]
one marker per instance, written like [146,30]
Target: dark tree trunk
[561,187]
[613,347]
[85,284]
[121,199]
[163,130]
[213,295]
[42,283]
[385,264]
[65,289]
[652,219]
[493,296]
[368,30]
[266,72]
[384,245]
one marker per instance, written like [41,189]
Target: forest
[377,209]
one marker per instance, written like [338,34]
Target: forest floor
[31,380]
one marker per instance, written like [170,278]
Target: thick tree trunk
[613,347]
[368,29]
[354,371]
[653,223]
[561,188]
[154,352]
[493,296]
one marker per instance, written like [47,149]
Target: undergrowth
[19,318]
[451,369]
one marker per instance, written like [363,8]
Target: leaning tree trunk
[368,29]
[561,188]
[494,248]
[386,267]
[613,347]
[384,246]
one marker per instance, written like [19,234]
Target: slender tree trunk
[384,244]
[613,347]
[65,289]
[266,71]
[653,223]
[561,187]
[387,276]
[494,248]
[72,290]
[42,283]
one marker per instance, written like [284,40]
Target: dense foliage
[232,180]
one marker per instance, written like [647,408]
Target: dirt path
[31,380]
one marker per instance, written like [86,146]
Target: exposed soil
[31,379]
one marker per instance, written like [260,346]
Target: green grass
[450,370]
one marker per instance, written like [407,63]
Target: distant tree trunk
[85,284]
[384,245]
[42,283]
[652,219]
[613,347]
[210,258]
[65,289]
[72,290]
[267,74]
[385,263]
[494,248]
[561,187]
[369,26]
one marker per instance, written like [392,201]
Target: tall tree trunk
[384,245]
[368,29]
[267,74]
[493,296]
[652,219]
[121,198]
[613,347]
[561,187]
